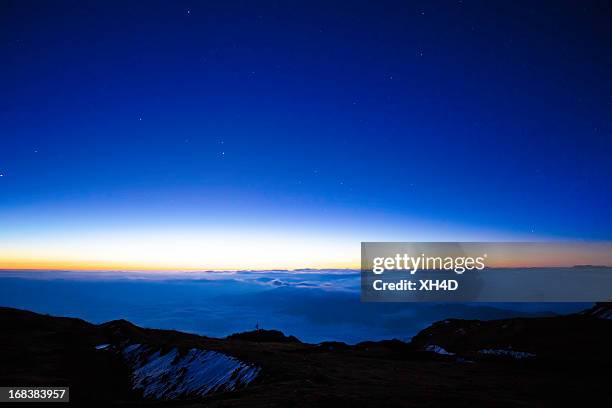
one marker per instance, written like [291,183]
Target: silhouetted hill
[575,338]
[550,361]
[264,336]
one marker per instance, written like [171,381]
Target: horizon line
[208,270]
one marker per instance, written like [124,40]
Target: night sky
[261,134]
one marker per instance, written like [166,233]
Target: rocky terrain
[512,362]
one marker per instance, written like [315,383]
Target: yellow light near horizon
[221,249]
[182,252]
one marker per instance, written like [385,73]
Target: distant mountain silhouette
[264,336]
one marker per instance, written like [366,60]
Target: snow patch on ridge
[194,372]
[438,349]
[602,312]
[519,355]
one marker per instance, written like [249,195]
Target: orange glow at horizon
[23,264]
[278,256]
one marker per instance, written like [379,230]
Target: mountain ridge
[481,363]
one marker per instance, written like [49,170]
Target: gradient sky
[281,134]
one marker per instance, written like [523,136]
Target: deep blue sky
[365,119]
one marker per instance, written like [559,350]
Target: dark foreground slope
[513,362]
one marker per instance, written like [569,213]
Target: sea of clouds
[314,305]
